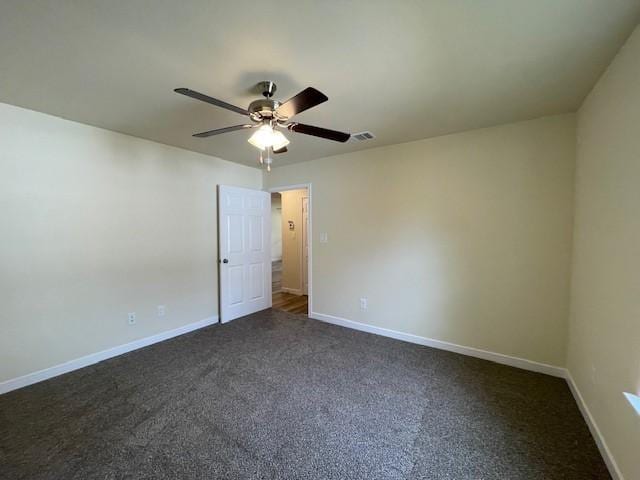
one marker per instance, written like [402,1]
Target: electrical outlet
[162,310]
[131,318]
[363,303]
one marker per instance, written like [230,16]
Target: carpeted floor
[279,396]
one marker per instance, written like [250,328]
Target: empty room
[345,240]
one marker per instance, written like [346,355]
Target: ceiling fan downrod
[268,88]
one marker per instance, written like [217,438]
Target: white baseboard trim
[40,375]
[451,347]
[615,472]
[292,291]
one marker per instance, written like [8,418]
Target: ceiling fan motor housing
[263,108]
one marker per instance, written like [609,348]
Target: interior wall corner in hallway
[276,227]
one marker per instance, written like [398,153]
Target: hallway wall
[292,280]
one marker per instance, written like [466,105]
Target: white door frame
[305,245]
[299,186]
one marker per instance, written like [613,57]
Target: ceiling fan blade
[307,98]
[213,101]
[218,131]
[319,132]
[281,150]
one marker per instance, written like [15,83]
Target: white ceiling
[403,69]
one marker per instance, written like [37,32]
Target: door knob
[225,260]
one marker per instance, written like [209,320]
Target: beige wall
[604,349]
[292,240]
[464,238]
[97,224]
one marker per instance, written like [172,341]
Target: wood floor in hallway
[286,301]
[290,303]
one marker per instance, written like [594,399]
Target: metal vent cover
[362,136]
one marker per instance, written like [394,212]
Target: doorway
[290,248]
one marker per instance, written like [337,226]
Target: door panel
[256,235]
[244,221]
[235,234]
[236,284]
[257,280]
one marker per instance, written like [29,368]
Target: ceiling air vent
[362,136]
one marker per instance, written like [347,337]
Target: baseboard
[451,347]
[292,291]
[615,472]
[40,375]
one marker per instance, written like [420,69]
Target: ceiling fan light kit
[268,137]
[269,116]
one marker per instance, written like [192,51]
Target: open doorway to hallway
[290,250]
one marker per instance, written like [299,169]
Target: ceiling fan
[269,117]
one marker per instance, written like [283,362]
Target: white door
[305,245]
[244,226]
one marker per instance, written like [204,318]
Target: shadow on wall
[276,226]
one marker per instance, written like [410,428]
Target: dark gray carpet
[275,395]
